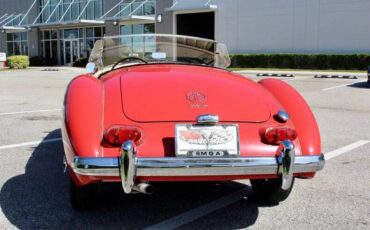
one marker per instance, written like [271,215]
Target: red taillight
[117,134]
[274,135]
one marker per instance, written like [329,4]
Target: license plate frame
[207,141]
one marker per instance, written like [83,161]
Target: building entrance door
[205,25]
[71,51]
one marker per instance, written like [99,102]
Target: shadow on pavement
[360,85]
[39,199]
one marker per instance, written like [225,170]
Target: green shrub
[301,61]
[80,62]
[18,61]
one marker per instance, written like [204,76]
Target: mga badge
[196,97]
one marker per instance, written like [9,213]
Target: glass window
[90,10]
[74,11]
[52,13]
[71,33]
[45,14]
[149,28]
[92,34]
[125,30]
[124,9]
[49,45]
[137,29]
[46,34]
[24,36]
[24,49]
[81,33]
[82,6]
[137,41]
[17,36]
[62,53]
[17,43]
[82,48]
[67,16]
[89,32]
[89,46]
[137,9]
[98,9]
[47,49]
[54,50]
[54,34]
[42,51]
[16,21]
[149,8]
[10,48]
[17,48]
[150,43]
[9,37]
[97,32]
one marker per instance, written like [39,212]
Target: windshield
[157,48]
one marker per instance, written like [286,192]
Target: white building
[63,30]
[281,26]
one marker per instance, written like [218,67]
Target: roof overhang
[192,5]
[12,28]
[79,21]
[63,23]
[150,18]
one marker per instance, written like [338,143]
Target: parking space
[34,189]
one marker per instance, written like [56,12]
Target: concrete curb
[336,76]
[50,69]
[274,75]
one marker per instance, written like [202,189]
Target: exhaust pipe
[143,188]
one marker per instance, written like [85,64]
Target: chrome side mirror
[91,67]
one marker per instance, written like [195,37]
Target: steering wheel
[128,58]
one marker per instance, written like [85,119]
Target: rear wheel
[84,197]
[269,190]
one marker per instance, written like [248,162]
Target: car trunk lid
[170,93]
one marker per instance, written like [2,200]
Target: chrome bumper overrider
[129,166]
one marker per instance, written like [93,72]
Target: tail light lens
[274,135]
[117,134]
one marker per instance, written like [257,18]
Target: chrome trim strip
[176,166]
[207,119]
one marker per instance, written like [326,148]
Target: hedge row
[301,61]
[18,61]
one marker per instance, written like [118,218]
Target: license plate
[206,141]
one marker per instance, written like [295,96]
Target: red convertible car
[163,108]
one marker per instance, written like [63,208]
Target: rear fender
[300,114]
[83,114]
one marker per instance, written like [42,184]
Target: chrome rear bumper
[129,166]
[173,166]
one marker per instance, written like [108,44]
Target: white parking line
[335,87]
[345,149]
[196,213]
[30,143]
[206,209]
[31,111]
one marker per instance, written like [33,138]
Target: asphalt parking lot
[34,189]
